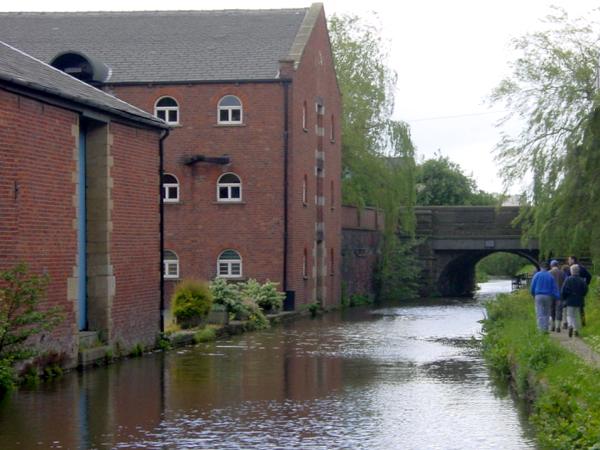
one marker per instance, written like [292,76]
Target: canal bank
[396,376]
[561,387]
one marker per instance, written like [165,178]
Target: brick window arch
[229,264]
[167,109]
[229,188]
[230,110]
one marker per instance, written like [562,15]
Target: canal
[393,377]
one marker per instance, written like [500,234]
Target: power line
[457,116]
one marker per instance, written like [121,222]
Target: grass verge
[564,391]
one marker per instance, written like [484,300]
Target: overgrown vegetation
[248,301]
[563,389]
[21,319]
[378,164]
[552,90]
[191,302]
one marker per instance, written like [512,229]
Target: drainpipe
[161,149]
[286,85]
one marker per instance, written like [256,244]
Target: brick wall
[198,228]
[315,82]
[38,186]
[361,243]
[37,166]
[135,243]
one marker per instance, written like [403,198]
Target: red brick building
[78,200]
[253,161]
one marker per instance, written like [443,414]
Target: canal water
[393,377]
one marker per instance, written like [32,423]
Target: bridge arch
[454,238]
[457,277]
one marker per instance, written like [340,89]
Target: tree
[377,152]
[552,90]
[442,182]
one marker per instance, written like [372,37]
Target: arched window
[229,188]
[229,264]
[230,110]
[167,109]
[170,188]
[170,264]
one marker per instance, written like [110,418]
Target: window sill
[232,278]
[229,125]
[228,203]
[171,278]
[305,130]
[305,277]
[305,204]
[332,141]
[171,202]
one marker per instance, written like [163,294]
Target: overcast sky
[449,55]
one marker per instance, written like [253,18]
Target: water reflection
[395,377]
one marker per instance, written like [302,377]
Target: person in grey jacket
[573,293]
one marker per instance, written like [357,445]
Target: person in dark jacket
[573,293]
[545,291]
[587,276]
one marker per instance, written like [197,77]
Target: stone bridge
[455,238]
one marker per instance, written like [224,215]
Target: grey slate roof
[18,68]
[163,46]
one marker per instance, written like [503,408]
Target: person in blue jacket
[545,292]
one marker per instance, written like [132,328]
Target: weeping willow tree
[377,153]
[552,90]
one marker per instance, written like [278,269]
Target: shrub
[20,315]
[8,378]
[266,295]
[206,334]
[21,318]
[191,300]
[228,295]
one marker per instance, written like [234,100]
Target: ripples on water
[399,377]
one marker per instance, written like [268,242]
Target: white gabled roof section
[304,32]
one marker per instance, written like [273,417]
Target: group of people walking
[559,294]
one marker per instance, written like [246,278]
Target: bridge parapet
[467,221]
[455,238]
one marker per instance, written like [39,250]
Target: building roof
[22,70]
[166,46]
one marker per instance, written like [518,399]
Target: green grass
[565,392]
[206,334]
[591,332]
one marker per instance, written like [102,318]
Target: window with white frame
[170,188]
[229,264]
[230,110]
[170,264]
[229,188]
[167,109]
